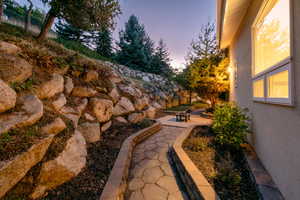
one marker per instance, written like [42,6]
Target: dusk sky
[177,22]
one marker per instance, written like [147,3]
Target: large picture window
[272,53]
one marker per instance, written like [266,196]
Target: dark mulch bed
[89,184]
[226,170]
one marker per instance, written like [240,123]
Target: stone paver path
[151,176]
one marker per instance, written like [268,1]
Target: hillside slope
[55,102]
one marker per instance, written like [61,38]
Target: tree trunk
[28,17]
[47,25]
[1,10]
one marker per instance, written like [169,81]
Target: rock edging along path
[117,181]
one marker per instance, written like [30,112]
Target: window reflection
[272,37]
[279,85]
[258,88]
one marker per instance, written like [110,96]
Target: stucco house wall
[276,129]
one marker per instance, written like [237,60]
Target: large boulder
[106,126]
[91,75]
[114,94]
[124,106]
[14,69]
[8,97]
[71,114]
[8,48]
[90,131]
[150,112]
[34,110]
[141,103]
[120,120]
[82,104]
[13,171]
[69,85]
[59,102]
[102,109]
[157,105]
[89,117]
[135,117]
[51,88]
[55,127]
[81,91]
[130,91]
[114,77]
[30,112]
[67,165]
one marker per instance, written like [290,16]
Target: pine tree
[161,60]
[135,46]
[104,43]
[68,32]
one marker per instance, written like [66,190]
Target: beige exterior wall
[276,128]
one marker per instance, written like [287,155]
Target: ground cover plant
[224,168]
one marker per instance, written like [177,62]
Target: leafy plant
[60,62]
[197,144]
[145,123]
[229,178]
[27,85]
[227,174]
[230,125]
[5,138]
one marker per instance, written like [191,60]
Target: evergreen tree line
[134,49]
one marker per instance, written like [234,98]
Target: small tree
[209,80]
[161,60]
[104,43]
[68,32]
[83,14]
[182,78]
[207,66]
[206,43]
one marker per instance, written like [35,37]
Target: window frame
[263,99]
[286,64]
[279,100]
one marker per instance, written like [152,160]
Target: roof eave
[220,19]
[230,14]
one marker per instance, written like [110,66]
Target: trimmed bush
[230,125]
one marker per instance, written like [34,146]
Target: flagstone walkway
[151,176]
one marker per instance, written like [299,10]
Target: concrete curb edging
[117,181]
[196,184]
[264,182]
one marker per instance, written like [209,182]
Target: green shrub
[227,175]
[197,144]
[145,123]
[230,125]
